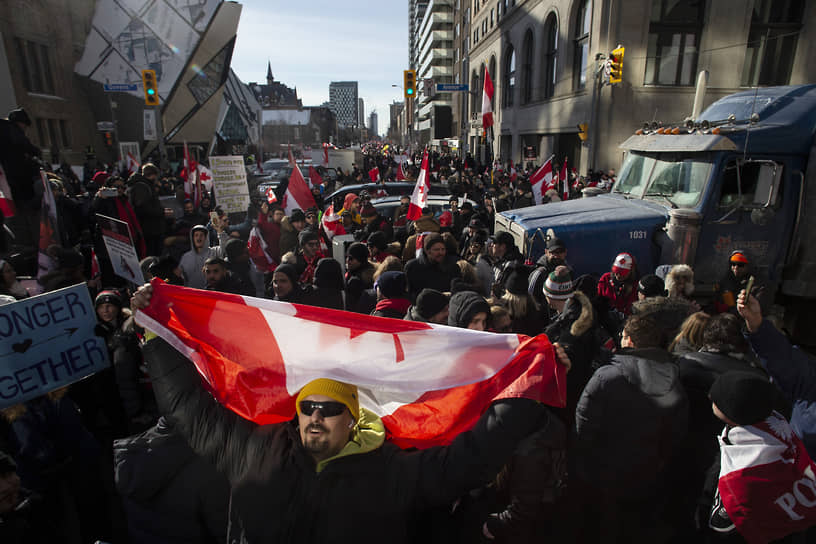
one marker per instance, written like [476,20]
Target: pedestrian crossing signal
[151,87]
[409,83]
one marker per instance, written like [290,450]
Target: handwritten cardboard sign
[47,342]
[230,183]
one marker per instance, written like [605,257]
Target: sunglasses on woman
[327,408]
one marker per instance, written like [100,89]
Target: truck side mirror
[767,185]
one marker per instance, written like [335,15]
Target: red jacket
[618,300]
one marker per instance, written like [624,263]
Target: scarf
[400,305]
[311,264]
[126,214]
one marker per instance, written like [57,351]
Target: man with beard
[554,256]
[433,269]
[503,253]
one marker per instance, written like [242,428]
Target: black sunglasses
[739,265]
[327,408]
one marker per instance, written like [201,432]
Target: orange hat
[739,257]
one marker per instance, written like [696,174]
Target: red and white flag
[189,180]
[420,195]
[314,177]
[205,175]
[542,181]
[325,162]
[332,223]
[132,164]
[96,270]
[401,173]
[513,173]
[49,233]
[767,480]
[487,106]
[6,200]
[374,174]
[419,378]
[271,197]
[565,180]
[297,193]
[259,251]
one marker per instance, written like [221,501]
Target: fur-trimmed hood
[680,272]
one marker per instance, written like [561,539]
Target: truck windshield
[675,180]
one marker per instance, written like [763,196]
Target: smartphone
[749,285]
[214,218]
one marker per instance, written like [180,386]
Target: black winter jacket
[367,497]
[632,416]
[421,273]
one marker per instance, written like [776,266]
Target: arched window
[509,86]
[527,69]
[494,79]
[550,50]
[772,42]
[475,94]
[581,45]
[674,42]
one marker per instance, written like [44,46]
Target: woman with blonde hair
[690,337]
[523,308]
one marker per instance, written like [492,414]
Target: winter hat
[516,283]
[623,264]
[430,239]
[341,392]
[297,215]
[234,248]
[555,243]
[328,274]
[307,235]
[349,200]
[108,296]
[19,115]
[559,284]
[378,240]
[504,238]
[476,223]
[651,286]
[290,271]
[738,256]
[391,284]
[463,306]
[744,397]
[369,211]
[446,219]
[430,302]
[358,251]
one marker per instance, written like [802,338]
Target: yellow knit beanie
[339,391]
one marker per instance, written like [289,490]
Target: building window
[581,44]
[509,87]
[476,95]
[491,17]
[66,136]
[35,66]
[498,10]
[456,31]
[550,54]
[674,37]
[527,69]
[772,42]
[484,27]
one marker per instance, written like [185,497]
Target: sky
[314,42]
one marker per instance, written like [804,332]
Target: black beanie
[234,248]
[744,397]
[463,306]
[516,283]
[359,251]
[108,296]
[290,271]
[430,302]
[392,284]
[378,240]
[307,235]
[651,286]
[297,215]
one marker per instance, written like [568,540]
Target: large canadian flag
[542,181]
[421,189]
[427,383]
[487,97]
[297,193]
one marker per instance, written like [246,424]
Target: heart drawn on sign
[22,347]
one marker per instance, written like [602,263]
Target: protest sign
[47,342]
[123,257]
[230,183]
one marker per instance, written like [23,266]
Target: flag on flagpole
[49,234]
[297,193]
[325,156]
[314,178]
[420,195]
[565,179]
[487,106]
[205,175]
[542,181]
[6,200]
[256,354]
[132,164]
[332,223]
[271,197]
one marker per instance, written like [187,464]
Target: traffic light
[409,83]
[616,65]
[151,87]
[582,131]
[109,139]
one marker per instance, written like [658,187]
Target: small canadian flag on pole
[420,194]
[542,181]
[487,98]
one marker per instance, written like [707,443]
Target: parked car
[387,205]
[393,188]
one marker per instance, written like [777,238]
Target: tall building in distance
[343,102]
[361,117]
[416,11]
[432,56]
[373,121]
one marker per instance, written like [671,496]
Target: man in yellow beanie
[327,413]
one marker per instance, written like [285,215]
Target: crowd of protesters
[632,458]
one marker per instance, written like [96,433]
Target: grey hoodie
[192,262]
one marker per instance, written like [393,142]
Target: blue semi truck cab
[736,177]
